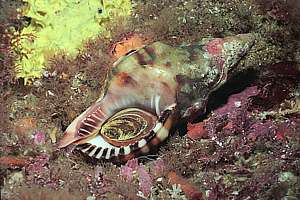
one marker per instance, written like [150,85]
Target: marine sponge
[61,26]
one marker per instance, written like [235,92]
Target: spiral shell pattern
[127,125]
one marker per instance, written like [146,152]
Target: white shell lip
[97,147]
[70,133]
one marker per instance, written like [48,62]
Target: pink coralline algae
[39,138]
[127,170]
[145,180]
[144,177]
[237,100]
[157,167]
[233,117]
[133,164]
[38,172]
[127,173]
[38,164]
[261,129]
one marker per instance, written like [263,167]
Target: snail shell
[148,90]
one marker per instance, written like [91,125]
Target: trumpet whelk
[148,91]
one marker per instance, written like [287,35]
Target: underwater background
[57,57]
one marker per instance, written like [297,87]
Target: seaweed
[51,30]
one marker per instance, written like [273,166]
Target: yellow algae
[61,26]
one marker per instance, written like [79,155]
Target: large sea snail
[148,90]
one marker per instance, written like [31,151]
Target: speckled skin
[173,82]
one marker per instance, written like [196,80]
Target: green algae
[61,27]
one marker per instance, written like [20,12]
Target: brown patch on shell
[127,43]
[125,79]
[168,64]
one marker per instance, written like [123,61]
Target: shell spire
[148,90]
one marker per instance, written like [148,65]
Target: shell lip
[70,134]
[140,146]
[68,139]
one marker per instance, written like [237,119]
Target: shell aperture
[148,90]
[127,125]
